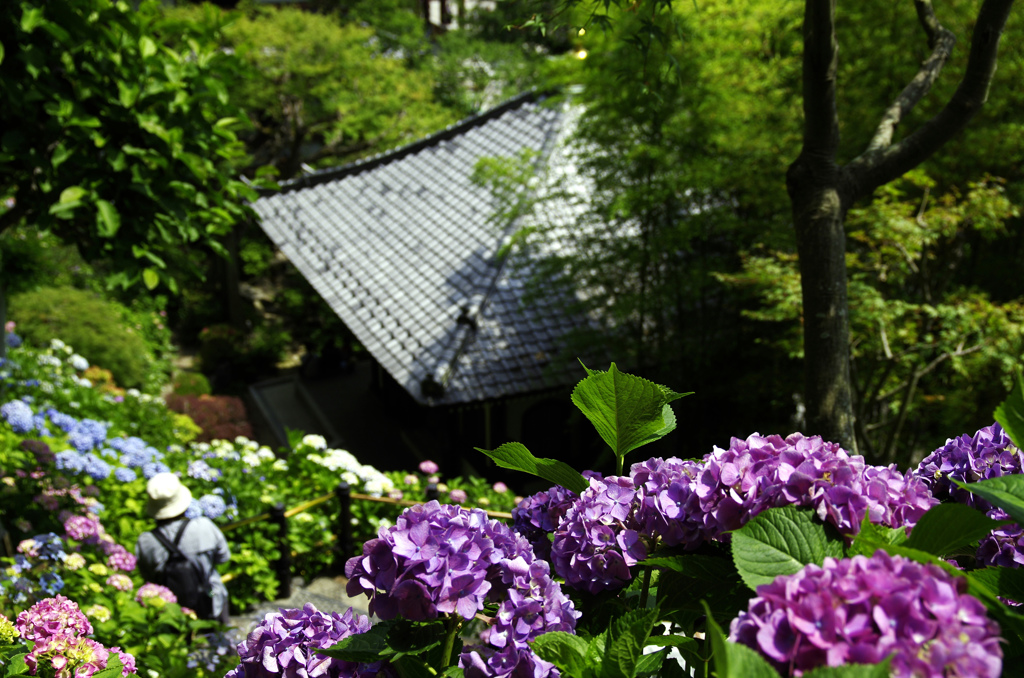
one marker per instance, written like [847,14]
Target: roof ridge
[455,129]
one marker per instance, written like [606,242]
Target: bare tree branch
[878,166]
[941,40]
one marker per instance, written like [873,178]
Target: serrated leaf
[411,667]
[1002,581]
[1006,492]
[947,527]
[627,411]
[780,541]
[879,670]
[870,536]
[732,660]
[565,650]
[146,46]
[650,664]
[673,641]
[1010,414]
[516,457]
[361,647]
[626,639]
[698,566]
[682,599]
[150,278]
[108,219]
[17,666]
[114,668]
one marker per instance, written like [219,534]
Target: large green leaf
[948,527]
[627,411]
[733,660]
[780,541]
[108,220]
[625,644]
[516,457]
[1010,414]
[682,598]
[361,647]
[564,650]
[1002,581]
[698,566]
[879,670]
[1006,492]
[871,536]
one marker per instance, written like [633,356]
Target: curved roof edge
[450,132]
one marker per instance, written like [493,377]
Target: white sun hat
[167,496]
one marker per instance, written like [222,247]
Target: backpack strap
[173,548]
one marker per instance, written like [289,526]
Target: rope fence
[344,545]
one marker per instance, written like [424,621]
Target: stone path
[326,593]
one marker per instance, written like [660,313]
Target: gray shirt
[202,540]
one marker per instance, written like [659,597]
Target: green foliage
[781,541]
[1010,414]
[516,457]
[318,91]
[948,527]
[733,660]
[1005,492]
[626,410]
[95,327]
[135,174]
[190,383]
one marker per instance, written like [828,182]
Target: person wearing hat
[197,539]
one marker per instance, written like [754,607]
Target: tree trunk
[818,214]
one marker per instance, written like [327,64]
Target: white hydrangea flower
[57,344]
[315,441]
[133,392]
[79,362]
[241,440]
[350,478]
[280,465]
[48,360]
[46,387]
[251,460]
[264,453]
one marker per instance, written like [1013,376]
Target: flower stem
[618,463]
[449,642]
[645,599]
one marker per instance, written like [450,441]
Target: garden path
[326,593]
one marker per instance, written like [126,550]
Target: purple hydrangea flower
[988,454]
[861,610]
[538,515]
[765,472]
[599,540]
[151,590]
[669,506]
[285,645]
[152,468]
[458,496]
[18,415]
[83,528]
[119,558]
[52,617]
[447,559]
[428,467]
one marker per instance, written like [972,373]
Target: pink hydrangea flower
[52,617]
[150,590]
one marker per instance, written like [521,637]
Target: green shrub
[191,383]
[94,327]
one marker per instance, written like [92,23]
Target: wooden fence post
[432,492]
[345,546]
[283,566]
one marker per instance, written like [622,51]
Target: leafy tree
[114,141]
[317,91]
[828,178]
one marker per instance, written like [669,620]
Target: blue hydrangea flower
[125,475]
[70,460]
[194,510]
[18,415]
[96,467]
[51,582]
[13,340]
[97,508]
[65,422]
[154,467]
[200,470]
[213,507]
[80,440]
[50,547]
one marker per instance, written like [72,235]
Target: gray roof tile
[401,244]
